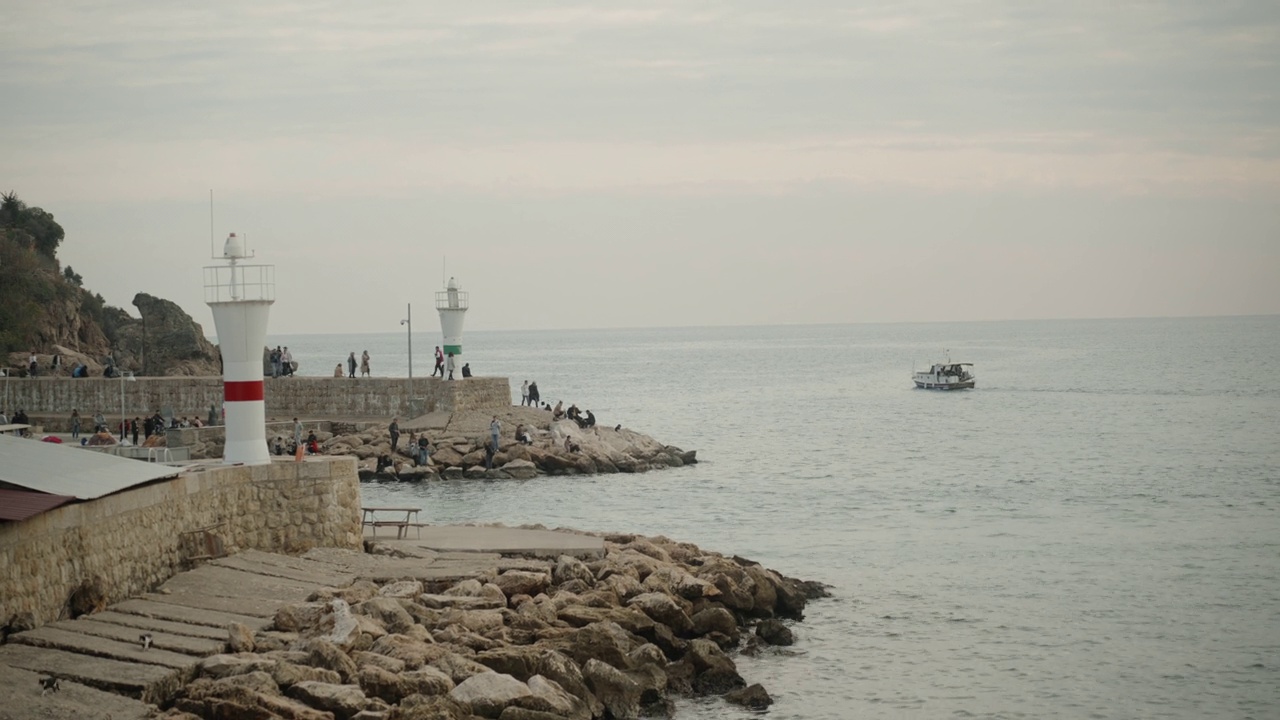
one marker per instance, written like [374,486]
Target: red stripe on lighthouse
[242,391]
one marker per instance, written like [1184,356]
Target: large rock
[166,341]
[662,608]
[619,694]
[489,693]
[752,697]
[411,651]
[774,632]
[546,695]
[522,582]
[520,469]
[324,654]
[388,612]
[344,701]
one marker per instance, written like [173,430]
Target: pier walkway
[104,672]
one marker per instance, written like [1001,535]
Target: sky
[624,164]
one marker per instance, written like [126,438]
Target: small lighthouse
[241,297]
[452,304]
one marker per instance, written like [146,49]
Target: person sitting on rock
[313,445]
[558,412]
[570,445]
[466,369]
[590,420]
[522,435]
[424,450]
[278,446]
[337,370]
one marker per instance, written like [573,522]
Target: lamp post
[124,375]
[408,321]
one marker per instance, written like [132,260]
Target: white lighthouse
[241,297]
[452,304]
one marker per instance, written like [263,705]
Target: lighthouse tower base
[242,333]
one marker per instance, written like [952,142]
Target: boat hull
[942,385]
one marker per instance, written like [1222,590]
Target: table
[401,524]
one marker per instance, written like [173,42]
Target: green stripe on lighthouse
[455,349]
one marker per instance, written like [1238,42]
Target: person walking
[394,429]
[439,363]
[99,422]
[524,393]
[364,364]
[448,364]
[534,397]
[351,364]
[75,424]
[133,429]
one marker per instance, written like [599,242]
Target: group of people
[281,362]
[529,394]
[351,365]
[446,363]
[419,448]
[80,370]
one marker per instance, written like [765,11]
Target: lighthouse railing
[451,300]
[236,283]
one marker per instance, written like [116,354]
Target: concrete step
[59,639]
[155,625]
[213,580]
[318,575]
[148,683]
[185,644]
[166,610]
[248,607]
[21,698]
[298,563]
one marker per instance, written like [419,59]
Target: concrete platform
[188,615]
[520,542]
[20,699]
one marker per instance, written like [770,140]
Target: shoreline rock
[622,636]
[458,442]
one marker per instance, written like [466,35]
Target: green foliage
[72,276]
[22,283]
[38,226]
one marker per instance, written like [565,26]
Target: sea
[1091,532]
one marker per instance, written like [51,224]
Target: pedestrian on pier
[448,363]
[394,429]
[524,394]
[297,433]
[75,424]
[495,428]
[364,364]
[439,363]
[351,364]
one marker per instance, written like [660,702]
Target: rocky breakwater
[618,637]
[458,442]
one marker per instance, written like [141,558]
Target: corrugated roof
[22,504]
[66,470]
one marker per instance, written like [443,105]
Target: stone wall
[53,398]
[131,541]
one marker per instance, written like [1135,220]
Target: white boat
[946,376]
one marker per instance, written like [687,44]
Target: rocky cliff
[44,309]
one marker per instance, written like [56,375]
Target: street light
[124,375]
[409,322]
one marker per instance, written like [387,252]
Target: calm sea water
[1092,533]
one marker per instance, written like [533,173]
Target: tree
[44,232]
[72,276]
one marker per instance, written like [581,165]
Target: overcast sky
[617,164]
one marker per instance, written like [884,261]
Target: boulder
[411,651]
[520,469]
[380,683]
[405,589]
[389,664]
[772,631]
[388,612]
[546,695]
[239,638]
[462,602]
[752,697]
[457,667]
[662,608]
[324,654]
[426,681]
[522,582]
[489,693]
[344,701]
[300,617]
[605,641]
[716,620]
[715,672]
[619,694]
[286,674]
[220,666]
[569,568]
